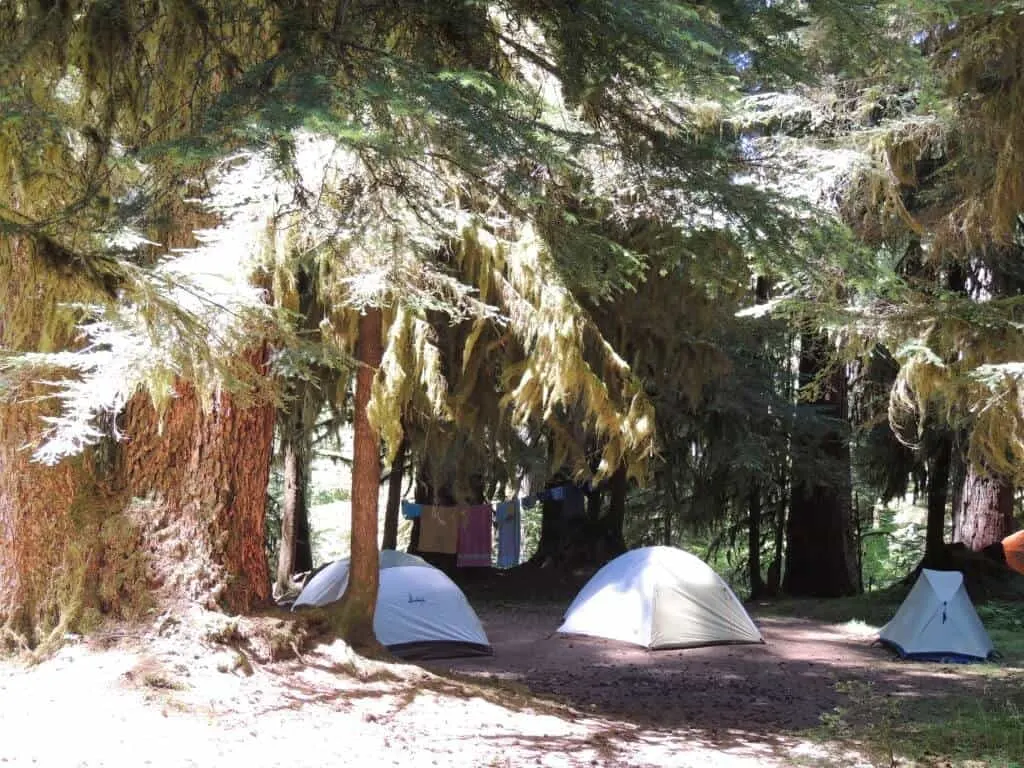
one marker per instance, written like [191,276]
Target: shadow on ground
[730,694]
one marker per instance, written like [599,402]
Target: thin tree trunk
[820,560]
[617,488]
[773,583]
[394,498]
[296,553]
[353,617]
[938,496]
[986,513]
[754,541]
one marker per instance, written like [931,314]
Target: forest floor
[159,697]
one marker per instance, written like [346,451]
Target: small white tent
[937,621]
[421,613]
[660,597]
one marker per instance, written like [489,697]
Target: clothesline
[465,531]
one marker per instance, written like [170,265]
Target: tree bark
[820,558]
[353,616]
[986,510]
[209,473]
[296,553]
[395,479]
[174,514]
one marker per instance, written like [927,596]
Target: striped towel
[475,537]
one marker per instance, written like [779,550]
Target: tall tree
[450,145]
[353,616]
[820,558]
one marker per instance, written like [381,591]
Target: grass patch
[983,729]
[978,720]
[1005,624]
[872,608]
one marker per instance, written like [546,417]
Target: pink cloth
[474,550]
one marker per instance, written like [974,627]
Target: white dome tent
[420,614]
[937,622]
[660,598]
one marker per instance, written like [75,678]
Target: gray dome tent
[421,613]
[660,598]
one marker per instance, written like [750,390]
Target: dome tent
[421,613]
[937,622]
[660,598]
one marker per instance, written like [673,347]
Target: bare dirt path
[547,701]
[785,685]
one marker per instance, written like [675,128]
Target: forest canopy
[745,263]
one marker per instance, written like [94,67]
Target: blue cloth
[507,521]
[410,510]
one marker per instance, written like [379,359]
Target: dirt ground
[160,699]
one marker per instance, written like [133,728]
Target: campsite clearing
[541,700]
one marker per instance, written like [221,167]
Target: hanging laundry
[439,529]
[475,537]
[507,519]
[411,510]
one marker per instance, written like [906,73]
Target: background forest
[748,271]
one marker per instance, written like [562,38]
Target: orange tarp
[1013,546]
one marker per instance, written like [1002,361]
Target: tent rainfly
[1013,550]
[660,597]
[937,622]
[421,613]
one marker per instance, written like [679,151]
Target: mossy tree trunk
[173,515]
[986,510]
[820,557]
[353,616]
[208,473]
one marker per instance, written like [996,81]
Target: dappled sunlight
[721,694]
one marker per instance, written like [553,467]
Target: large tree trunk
[820,558]
[986,510]
[174,515]
[353,616]
[296,553]
[390,540]
[207,473]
